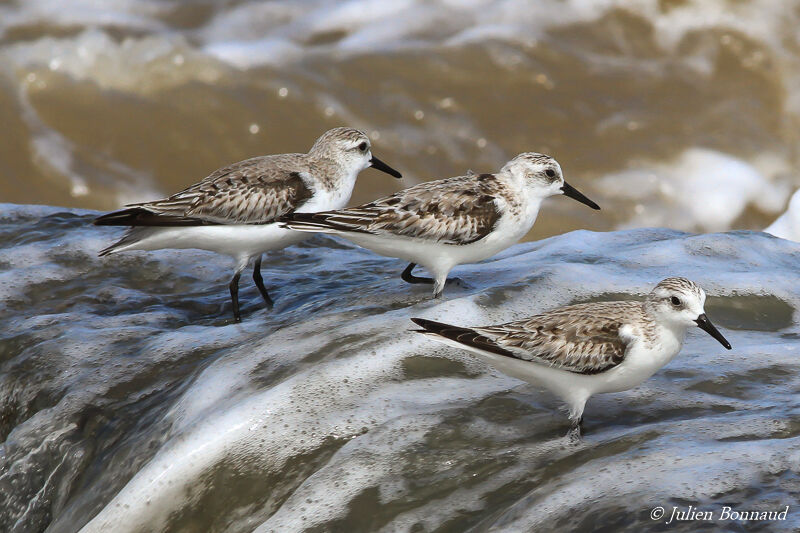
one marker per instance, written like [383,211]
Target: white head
[541,175]
[349,148]
[679,303]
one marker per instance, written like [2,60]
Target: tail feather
[108,250]
[131,237]
[466,336]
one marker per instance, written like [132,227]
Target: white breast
[330,198]
[645,356]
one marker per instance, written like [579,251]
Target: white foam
[336,383]
[371,25]
[266,428]
[249,54]
[138,65]
[133,14]
[787,226]
[701,190]
[267,28]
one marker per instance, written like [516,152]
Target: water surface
[130,401]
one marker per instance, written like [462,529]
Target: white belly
[439,257]
[640,364]
[433,256]
[239,241]
[242,241]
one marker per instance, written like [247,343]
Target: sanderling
[444,223]
[233,210]
[585,349]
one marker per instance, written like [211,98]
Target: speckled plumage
[582,338]
[458,210]
[255,191]
[258,190]
[443,223]
[583,349]
[235,209]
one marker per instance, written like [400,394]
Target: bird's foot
[575,433]
[268,303]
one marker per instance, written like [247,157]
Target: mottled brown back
[459,210]
[582,338]
[254,191]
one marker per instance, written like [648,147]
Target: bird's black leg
[234,287]
[408,277]
[260,282]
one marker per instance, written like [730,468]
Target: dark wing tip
[123,217]
[430,326]
[325,220]
[138,216]
[303,220]
[466,336]
[297,217]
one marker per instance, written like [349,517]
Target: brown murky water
[96,117]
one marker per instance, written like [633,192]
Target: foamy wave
[140,65]
[787,226]
[701,190]
[256,33]
[369,25]
[142,15]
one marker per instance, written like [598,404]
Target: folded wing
[247,192]
[458,210]
[584,339]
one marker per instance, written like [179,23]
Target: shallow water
[128,398]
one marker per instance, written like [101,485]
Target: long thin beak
[705,324]
[383,167]
[573,193]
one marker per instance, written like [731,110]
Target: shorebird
[444,223]
[234,210]
[585,349]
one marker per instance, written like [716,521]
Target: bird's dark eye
[363,147]
[550,173]
[675,301]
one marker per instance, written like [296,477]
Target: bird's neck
[532,205]
[339,184]
[673,334]
[331,174]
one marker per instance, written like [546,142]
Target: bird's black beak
[573,193]
[705,324]
[383,167]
